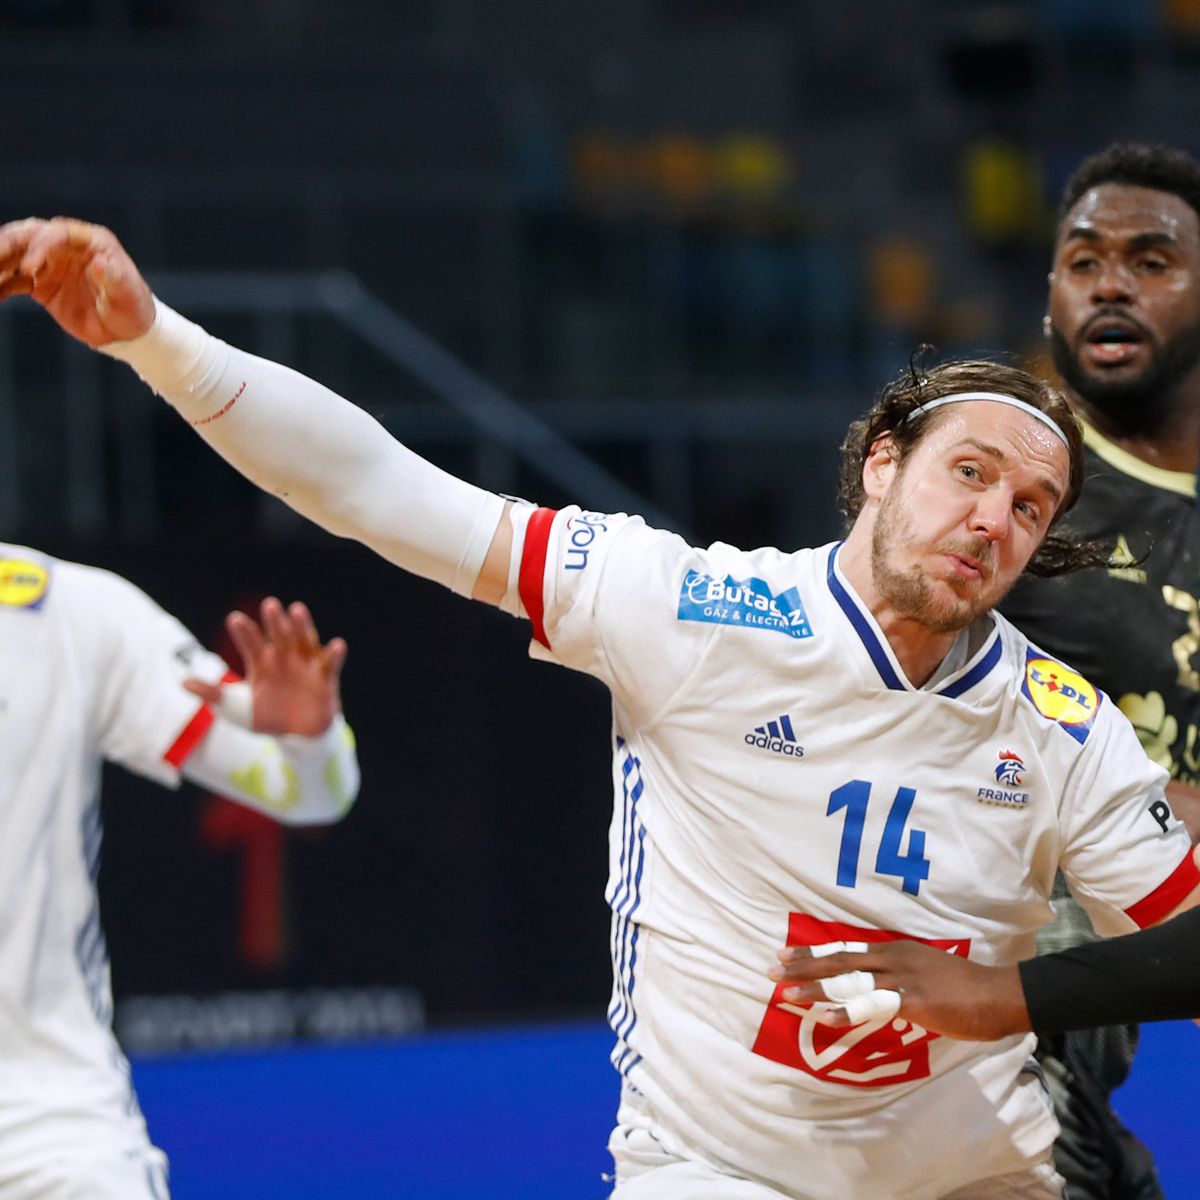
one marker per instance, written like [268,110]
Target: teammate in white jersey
[91,669]
[837,743]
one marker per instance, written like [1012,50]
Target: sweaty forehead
[1012,438]
[1122,210]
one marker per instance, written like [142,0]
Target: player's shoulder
[65,592]
[1115,475]
[764,570]
[68,588]
[1051,690]
[768,562]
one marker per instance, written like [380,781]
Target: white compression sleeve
[324,456]
[296,780]
[518,518]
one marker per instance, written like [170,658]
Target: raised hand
[293,678]
[80,274]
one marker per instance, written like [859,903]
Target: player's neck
[1173,445]
[918,649]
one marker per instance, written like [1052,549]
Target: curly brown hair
[1060,551]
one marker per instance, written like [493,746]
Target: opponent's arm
[1185,803]
[1152,975]
[852,982]
[321,454]
[279,742]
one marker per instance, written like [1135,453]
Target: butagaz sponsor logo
[776,736]
[584,529]
[748,602]
[1010,773]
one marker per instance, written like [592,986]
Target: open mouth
[1113,341]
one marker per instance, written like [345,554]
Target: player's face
[959,520]
[1124,302]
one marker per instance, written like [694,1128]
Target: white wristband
[236,704]
[178,359]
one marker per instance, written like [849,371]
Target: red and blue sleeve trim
[1175,888]
[531,581]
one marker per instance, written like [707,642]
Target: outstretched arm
[1153,975]
[321,454]
[279,742]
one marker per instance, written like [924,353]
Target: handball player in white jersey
[836,744]
[91,669]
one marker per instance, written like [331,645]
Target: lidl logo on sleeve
[1061,695]
[22,584]
[746,602]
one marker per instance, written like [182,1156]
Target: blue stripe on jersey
[91,956]
[91,951]
[977,672]
[624,899]
[625,1026]
[92,831]
[862,627]
[156,1181]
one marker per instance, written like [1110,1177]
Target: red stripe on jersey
[1180,883]
[193,732]
[533,570]
[191,736]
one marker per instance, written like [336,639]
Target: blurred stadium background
[649,253]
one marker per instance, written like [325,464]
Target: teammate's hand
[293,678]
[938,990]
[80,274]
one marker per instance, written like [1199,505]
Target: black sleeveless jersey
[1131,630]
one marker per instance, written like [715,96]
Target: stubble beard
[909,592]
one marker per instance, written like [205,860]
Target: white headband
[998,398]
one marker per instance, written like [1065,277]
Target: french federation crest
[1010,769]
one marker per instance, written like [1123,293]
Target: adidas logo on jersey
[776,736]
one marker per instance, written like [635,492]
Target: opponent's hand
[937,990]
[80,274]
[293,678]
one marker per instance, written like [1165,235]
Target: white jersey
[777,780]
[90,668]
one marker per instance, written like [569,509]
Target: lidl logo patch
[746,602]
[22,584]
[1061,695]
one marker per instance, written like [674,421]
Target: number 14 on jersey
[910,866]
